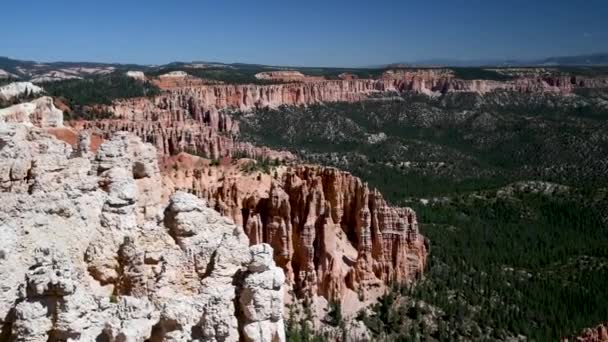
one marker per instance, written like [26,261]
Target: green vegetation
[80,95]
[505,261]
[584,70]
[334,316]
[99,89]
[502,266]
[333,73]
[9,80]
[300,330]
[226,74]
[264,165]
[28,96]
[479,74]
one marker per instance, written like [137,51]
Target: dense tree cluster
[25,97]
[531,265]
[479,74]
[82,94]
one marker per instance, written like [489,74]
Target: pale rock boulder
[177,73]
[137,75]
[40,112]
[218,249]
[15,89]
[140,162]
[261,298]
[54,307]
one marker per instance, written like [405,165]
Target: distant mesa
[286,76]
[138,75]
[73,73]
[178,73]
[206,65]
[55,75]
[347,76]
[179,79]
[16,89]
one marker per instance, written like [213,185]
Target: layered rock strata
[193,118]
[89,251]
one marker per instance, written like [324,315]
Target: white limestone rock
[137,75]
[88,251]
[261,297]
[40,112]
[177,74]
[15,89]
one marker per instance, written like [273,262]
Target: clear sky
[288,32]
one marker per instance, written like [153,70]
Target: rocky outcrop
[245,97]
[597,334]
[90,251]
[173,137]
[16,89]
[287,76]
[178,125]
[193,117]
[40,112]
[332,235]
[262,288]
[136,75]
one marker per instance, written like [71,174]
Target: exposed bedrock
[195,118]
[333,235]
[91,251]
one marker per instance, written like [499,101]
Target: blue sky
[312,32]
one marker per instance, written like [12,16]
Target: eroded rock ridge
[195,118]
[91,252]
[332,234]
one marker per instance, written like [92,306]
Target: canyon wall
[333,235]
[596,334]
[194,118]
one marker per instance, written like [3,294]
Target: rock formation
[174,125]
[172,137]
[137,75]
[192,116]
[15,89]
[597,334]
[89,251]
[332,235]
[40,112]
[287,76]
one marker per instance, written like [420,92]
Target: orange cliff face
[194,118]
[333,235]
[597,334]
